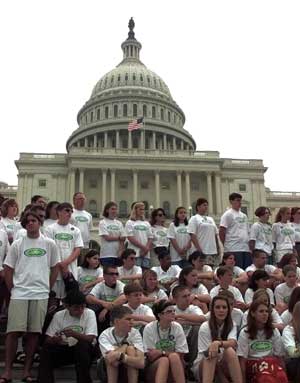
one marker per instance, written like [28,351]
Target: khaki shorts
[26,315]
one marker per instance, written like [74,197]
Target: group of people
[156,303]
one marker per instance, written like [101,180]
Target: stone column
[179,189]
[165,142]
[153,140]
[174,143]
[81,180]
[129,140]
[135,185]
[181,145]
[71,184]
[187,189]
[157,189]
[105,140]
[112,184]
[95,141]
[209,193]
[117,140]
[104,178]
[86,142]
[218,193]
[142,139]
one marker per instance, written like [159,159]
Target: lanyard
[158,333]
[117,342]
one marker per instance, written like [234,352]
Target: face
[165,263]
[293,261]
[79,201]
[76,310]
[286,216]
[12,211]
[202,209]
[192,278]
[183,299]
[181,215]
[33,225]
[265,217]
[111,276]
[262,283]
[140,211]
[261,314]
[198,263]
[124,324]
[160,217]
[64,215]
[41,214]
[129,262]
[41,201]
[290,278]
[261,260]
[151,282]
[236,203]
[135,299]
[93,261]
[230,261]
[168,314]
[53,213]
[226,278]
[220,309]
[112,212]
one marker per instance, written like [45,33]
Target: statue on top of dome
[131,26]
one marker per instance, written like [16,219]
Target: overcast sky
[232,66]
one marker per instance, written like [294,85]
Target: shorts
[143,262]
[26,315]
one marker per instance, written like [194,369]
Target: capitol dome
[128,92]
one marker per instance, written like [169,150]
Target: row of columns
[179,173]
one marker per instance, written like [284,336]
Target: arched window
[145,110]
[115,110]
[153,112]
[112,80]
[98,114]
[162,114]
[92,116]
[123,209]
[125,110]
[106,112]
[134,110]
[169,116]
[166,207]
[141,78]
[133,77]
[93,208]
[126,77]
[119,78]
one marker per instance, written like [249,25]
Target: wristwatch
[163,353]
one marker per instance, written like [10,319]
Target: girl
[261,232]
[290,259]
[129,272]
[112,235]
[205,272]
[286,316]
[291,343]
[9,212]
[165,346]
[295,219]
[239,275]
[275,317]
[152,293]
[217,340]
[139,235]
[260,346]
[259,280]
[180,239]
[89,273]
[160,240]
[283,233]
[51,214]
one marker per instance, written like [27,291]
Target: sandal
[20,357]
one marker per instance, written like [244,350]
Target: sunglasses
[113,274]
[170,311]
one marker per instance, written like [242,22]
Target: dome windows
[141,78]
[145,110]
[135,110]
[153,112]
[133,77]
[119,78]
[125,110]
[115,110]
[126,77]
[162,114]
[98,114]
[112,80]
[106,112]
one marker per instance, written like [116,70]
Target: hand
[108,305]
[57,339]
[213,349]
[102,315]
[112,357]
[70,333]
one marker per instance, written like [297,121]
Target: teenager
[239,275]
[204,271]
[261,232]
[9,212]
[160,241]
[89,273]
[82,218]
[295,220]
[283,233]
[51,213]
[258,280]
[286,316]
[260,258]
[167,273]
[284,290]
[290,259]
[129,272]
[151,290]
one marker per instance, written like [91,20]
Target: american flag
[135,124]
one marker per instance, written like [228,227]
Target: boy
[69,339]
[122,346]
[167,273]
[284,290]
[225,275]
[141,314]
[260,258]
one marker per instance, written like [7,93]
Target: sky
[232,66]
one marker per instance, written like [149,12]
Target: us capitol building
[157,164]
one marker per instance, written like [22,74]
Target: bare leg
[232,362]
[162,371]
[176,368]
[112,373]
[11,344]
[133,373]
[32,340]
[208,370]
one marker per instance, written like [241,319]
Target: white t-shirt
[4,246]
[84,221]
[62,320]
[67,238]
[283,235]
[182,237]
[274,314]
[31,259]
[286,317]
[141,310]
[282,293]
[235,291]
[289,338]
[192,309]
[296,227]
[259,347]
[261,233]
[249,296]
[206,230]
[236,316]
[270,269]
[49,222]
[86,275]
[9,226]
[141,231]
[108,341]
[172,339]
[160,238]
[135,270]
[237,231]
[114,228]
[165,276]
[157,294]
[106,293]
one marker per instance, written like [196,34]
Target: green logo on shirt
[10,226]
[113,227]
[75,328]
[80,218]
[161,233]
[165,345]
[37,252]
[182,230]
[64,236]
[87,279]
[261,346]
[140,227]
[286,299]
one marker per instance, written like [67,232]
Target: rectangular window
[93,183]
[165,185]
[123,184]
[242,187]
[194,186]
[42,183]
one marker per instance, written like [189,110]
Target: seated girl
[152,292]
[205,272]
[90,273]
[286,316]
[129,272]
[259,280]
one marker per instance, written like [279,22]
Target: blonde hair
[133,210]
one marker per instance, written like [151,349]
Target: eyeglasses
[68,210]
[113,274]
[170,311]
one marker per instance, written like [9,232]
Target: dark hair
[107,206]
[234,196]
[257,275]
[293,212]
[119,312]
[26,215]
[280,212]
[225,257]
[6,204]
[200,201]
[127,252]
[154,213]
[145,275]
[160,306]
[132,288]
[178,289]
[213,324]
[64,205]
[251,322]
[106,267]
[222,270]
[49,207]
[286,259]
[37,208]
[76,194]
[91,253]
[26,208]
[288,268]
[34,198]
[183,273]
[196,254]
[162,252]
[260,211]
[176,219]
[74,297]
[294,298]
[256,253]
